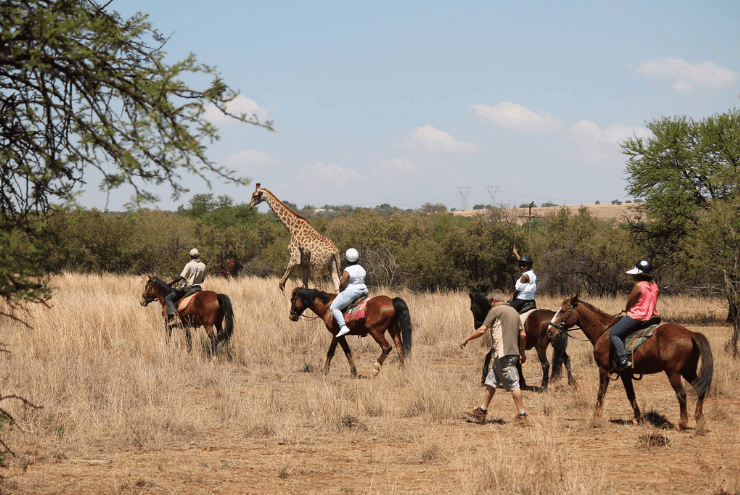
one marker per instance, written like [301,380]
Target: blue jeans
[619,331]
[170,299]
[343,300]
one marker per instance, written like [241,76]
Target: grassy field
[121,410]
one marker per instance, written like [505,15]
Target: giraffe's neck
[288,217]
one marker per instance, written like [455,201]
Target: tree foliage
[688,173]
[82,88]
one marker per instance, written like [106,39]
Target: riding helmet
[352,255]
[642,266]
[194,253]
[526,260]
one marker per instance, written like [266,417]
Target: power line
[463,197]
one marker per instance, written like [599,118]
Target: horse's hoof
[376,369]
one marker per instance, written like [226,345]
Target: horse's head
[298,304]
[257,197]
[563,318]
[480,305]
[152,290]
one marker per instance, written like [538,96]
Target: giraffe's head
[257,197]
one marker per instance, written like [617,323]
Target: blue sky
[409,103]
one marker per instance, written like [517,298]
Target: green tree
[688,174]
[80,88]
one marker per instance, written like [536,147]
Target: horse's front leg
[330,353]
[486,365]
[603,385]
[630,389]
[675,380]
[348,353]
[542,355]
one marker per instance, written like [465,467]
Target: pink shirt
[645,307]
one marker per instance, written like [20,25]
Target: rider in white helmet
[193,274]
[351,287]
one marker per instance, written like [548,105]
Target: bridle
[564,328]
[147,298]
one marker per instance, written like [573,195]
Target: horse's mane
[161,285]
[594,308]
[309,295]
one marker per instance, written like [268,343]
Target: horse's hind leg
[675,380]
[690,376]
[385,350]
[399,345]
[348,353]
[211,338]
[630,389]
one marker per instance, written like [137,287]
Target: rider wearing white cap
[351,286]
[193,274]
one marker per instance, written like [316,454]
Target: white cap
[352,255]
[194,253]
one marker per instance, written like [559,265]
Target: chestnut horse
[672,348]
[537,338]
[381,313]
[206,309]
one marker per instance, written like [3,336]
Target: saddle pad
[356,312]
[524,316]
[634,340]
[185,301]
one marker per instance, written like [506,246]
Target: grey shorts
[503,373]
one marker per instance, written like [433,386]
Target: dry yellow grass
[123,411]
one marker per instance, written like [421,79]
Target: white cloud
[597,146]
[518,117]
[395,166]
[239,105]
[249,158]
[348,155]
[688,75]
[327,174]
[429,138]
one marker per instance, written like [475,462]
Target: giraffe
[307,247]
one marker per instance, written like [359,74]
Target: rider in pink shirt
[640,307]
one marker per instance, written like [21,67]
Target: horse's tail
[703,382]
[404,321]
[225,304]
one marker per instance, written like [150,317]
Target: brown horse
[206,309]
[537,338]
[673,349]
[381,313]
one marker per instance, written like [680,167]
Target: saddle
[527,307]
[643,332]
[189,295]
[356,309]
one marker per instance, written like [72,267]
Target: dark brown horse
[206,309]
[673,349]
[537,338]
[381,313]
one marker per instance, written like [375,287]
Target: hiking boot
[477,414]
[623,364]
[521,419]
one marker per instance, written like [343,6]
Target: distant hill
[602,212]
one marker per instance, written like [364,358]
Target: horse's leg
[690,375]
[212,338]
[385,350]
[522,382]
[566,360]
[630,389]
[330,353]
[603,385]
[675,380]
[348,353]
[542,355]
[396,334]
[486,365]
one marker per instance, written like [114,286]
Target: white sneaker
[343,331]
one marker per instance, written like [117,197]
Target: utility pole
[464,197]
[492,190]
